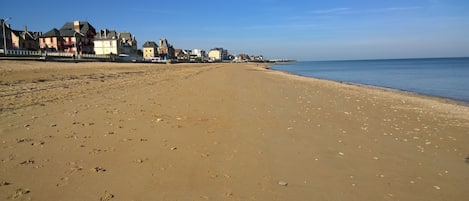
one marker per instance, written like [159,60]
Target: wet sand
[107,131]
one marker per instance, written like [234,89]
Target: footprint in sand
[74,168]
[20,193]
[98,169]
[63,182]
[106,196]
[38,143]
[27,162]
[24,140]
[4,183]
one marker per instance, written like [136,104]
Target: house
[197,55]
[165,50]
[218,54]
[5,33]
[256,58]
[52,41]
[128,43]
[108,42]
[181,55]
[241,58]
[76,37]
[105,42]
[150,50]
[25,40]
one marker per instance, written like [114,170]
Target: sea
[441,77]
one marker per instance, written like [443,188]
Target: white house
[197,54]
[218,54]
[110,42]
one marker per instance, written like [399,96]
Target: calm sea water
[443,77]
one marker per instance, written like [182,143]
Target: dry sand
[106,131]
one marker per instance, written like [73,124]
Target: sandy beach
[110,131]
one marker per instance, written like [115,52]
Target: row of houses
[18,39]
[163,51]
[80,37]
[73,37]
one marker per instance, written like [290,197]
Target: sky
[302,29]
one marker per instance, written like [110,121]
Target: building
[105,42]
[25,40]
[218,54]
[6,33]
[52,41]
[197,55]
[241,58]
[181,55]
[150,50]
[128,43]
[165,50]
[256,58]
[108,42]
[76,36]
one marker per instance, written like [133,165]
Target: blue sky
[304,30]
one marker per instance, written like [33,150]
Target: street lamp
[4,37]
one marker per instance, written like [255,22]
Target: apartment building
[150,50]
[76,36]
[110,42]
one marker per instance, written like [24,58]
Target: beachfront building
[110,42]
[218,54]
[105,42]
[6,33]
[197,55]
[165,50]
[128,43]
[241,58]
[25,40]
[182,55]
[150,51]
[76,37]
[256,58]
[52,41]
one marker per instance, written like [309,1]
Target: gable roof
[164,43]
[150,44]
[106,34]
[26,35]
[126,35]
[52,33]
[68,28]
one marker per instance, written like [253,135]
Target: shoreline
[105,131]
[390,89]
[455,107]
[430,74]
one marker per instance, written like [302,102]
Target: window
[51,40]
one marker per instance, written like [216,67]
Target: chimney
[76,26]
[25,28]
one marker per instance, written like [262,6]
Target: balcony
[68,43]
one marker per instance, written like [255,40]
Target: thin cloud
[391,9]
[330,11]
[281,26]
